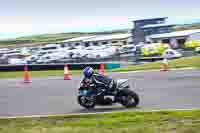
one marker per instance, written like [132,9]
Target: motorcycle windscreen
[83,92]
[121,84]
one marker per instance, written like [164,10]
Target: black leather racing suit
[101,81]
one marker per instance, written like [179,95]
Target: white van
[171,53]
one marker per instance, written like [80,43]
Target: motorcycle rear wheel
[129,98]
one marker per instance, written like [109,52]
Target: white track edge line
[85,114]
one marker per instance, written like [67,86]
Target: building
[145,27]
[176,39]
[99,40]
[157,28]
[76,41]
[111,39]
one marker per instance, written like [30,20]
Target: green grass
[124,122]
[178,63]
[193,61]
[37,73]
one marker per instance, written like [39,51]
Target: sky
[52,16]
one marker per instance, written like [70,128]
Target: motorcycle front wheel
[86,102]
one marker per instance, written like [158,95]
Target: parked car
[126,49]
[191,44]
[95,55]
[16,61]
[32,59]
[44,59]
[154,49]
[51,58]
[171,53]
[197,50]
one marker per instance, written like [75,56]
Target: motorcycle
[89,96]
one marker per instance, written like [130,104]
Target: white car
[16,61]
[3,50]
[171,53]
[102,53]
[44,59]
[97,55]
[127,49]
[33,58]
[74,52]
[197,50]
[81,52]
[50,58]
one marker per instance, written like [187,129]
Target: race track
[53,95]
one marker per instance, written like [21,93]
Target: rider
[98,80]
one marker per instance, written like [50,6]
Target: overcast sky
[89,15]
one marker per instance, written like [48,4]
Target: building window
[149,31]
[77,44]
[114,41]
[163,30]
[95,43]
[181,43]
[161,21]
[130,42]
[166,41]
[124,42]
[63,45]
[155,41]
[87,44]
[49,48]
[69,44]
[104,43]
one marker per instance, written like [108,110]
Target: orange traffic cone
[26,74]
[102,68]
[66,73]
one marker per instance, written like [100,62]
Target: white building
[99,40]
[111,39]
[176,39]
[77,41]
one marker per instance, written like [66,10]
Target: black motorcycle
[89,95]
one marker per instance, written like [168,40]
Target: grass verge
[37,73]
[193,61]
[177,63]
[124,122]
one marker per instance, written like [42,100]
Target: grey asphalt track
[53,95]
